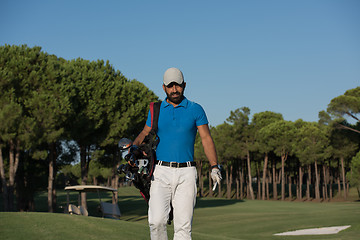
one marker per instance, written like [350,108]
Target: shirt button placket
[173,117]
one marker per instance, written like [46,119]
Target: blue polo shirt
[177,128]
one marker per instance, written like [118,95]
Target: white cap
[173,75]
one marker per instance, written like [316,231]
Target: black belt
[175,164]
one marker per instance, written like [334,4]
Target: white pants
[178,186]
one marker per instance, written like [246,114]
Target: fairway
[214,219]
[262,219]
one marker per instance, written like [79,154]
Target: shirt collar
[184,103]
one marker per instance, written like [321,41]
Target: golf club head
[130,176]
[124,144]
[121,169]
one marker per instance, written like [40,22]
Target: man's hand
[216,176]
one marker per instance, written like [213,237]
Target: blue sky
[290,57]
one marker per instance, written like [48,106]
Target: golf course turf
[214,218]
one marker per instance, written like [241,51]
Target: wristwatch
[214,166]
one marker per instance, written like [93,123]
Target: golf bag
[136,170]
[141,174]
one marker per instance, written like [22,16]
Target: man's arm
[208,144]
[210,152]
[140,138]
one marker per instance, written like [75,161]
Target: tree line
[46,103]
[267,157]
[61,120]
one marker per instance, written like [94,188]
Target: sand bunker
[314,231]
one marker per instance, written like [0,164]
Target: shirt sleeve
[200,115]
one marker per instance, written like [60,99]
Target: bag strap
[155,111]
[152,138]
[152,113]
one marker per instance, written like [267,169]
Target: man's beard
[175,99]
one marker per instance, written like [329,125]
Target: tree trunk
[237,180]
[230,182]
[249,175]
[300,182]
[201,177]
[308,180]
[219,190]
[258,180]
[267,188]
[290,193]
[50,185]
[317,182]
[14,158]
[22,189]
[237,188]
[51,182]
[325,180]
[278,176]
[274,180]
[339,185]
[227,182]
[283,159]
[241,176]
[331,179]
[343,176]
[115,182]
[108,184]
[266,159]
[3,182]
[11,177]
[84,172]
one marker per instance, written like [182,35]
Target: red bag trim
[152,112]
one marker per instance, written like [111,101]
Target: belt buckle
[174,164]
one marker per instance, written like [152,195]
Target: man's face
[175,92]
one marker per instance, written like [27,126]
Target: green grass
[261,219]
[214,219]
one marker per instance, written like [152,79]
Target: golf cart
[108,210]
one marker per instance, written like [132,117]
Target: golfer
[174,179]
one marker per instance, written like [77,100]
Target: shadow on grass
[134,208]
[213,202]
